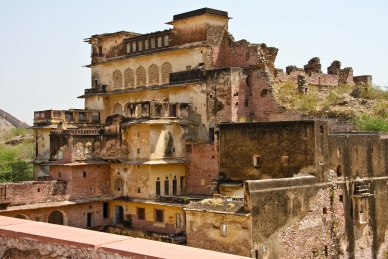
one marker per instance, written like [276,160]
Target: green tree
[12,167]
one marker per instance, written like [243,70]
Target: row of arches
[133,79]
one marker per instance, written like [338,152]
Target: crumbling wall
[31,192]
[204,231]
[259,99]
[312,71]
[309,218]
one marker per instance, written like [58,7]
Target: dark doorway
[174,187]
[90,220]
[56,217]
[106,210]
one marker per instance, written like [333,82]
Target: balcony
[49,117]
[96,55]
[96,90]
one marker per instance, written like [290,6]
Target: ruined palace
[181,140]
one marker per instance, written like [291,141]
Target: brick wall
[318,79]
[30,192]
[238,54]
[95,183]
[203,168]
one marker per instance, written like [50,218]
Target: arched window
[152,43]
[21,216]
[129,79]
[141,76]
[117,109]
[153,75]
[166,40]
[117,79]
[166,70]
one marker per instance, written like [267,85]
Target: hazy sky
[43,50]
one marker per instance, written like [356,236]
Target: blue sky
[43,53]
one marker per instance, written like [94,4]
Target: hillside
[366,106]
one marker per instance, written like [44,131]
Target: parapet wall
[28,239]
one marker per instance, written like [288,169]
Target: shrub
[365,123]
[374,92]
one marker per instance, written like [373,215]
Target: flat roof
[200,12]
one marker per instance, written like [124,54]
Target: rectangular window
[141,213]
[257,161]
[189,149]
[158,215]
[140,45]
[146,45]
[133,46]
[182,184]
[174,187]
[166,187]
[105,212]
[211,134]
[158,188]
[99,49]
[129,48]
[159,42]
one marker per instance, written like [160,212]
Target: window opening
[174,187]
[141,213]
[158,188]
[166,40]
[257,161]
[166,187]
[182,183]
[159,215]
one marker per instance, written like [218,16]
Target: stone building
[169,122]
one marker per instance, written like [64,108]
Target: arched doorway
[21,216]
[118,214]
[56,217]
